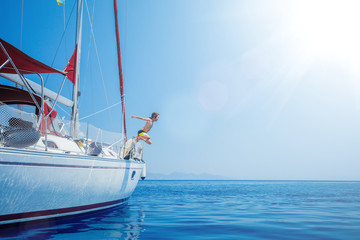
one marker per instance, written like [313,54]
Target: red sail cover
[13,95]
[24,63]
[70,68]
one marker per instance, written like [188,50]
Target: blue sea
[217,210]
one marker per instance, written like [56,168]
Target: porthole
[51,144]
[133,175]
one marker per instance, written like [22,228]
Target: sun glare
[328,26]
[213,95]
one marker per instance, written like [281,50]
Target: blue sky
[245,89]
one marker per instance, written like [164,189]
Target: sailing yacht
[52,168]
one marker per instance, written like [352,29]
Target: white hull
[38,185]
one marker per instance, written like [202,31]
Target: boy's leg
[145,138]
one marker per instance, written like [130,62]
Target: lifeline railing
[19,129]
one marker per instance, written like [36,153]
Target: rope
[100,111]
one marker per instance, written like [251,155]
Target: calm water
[219,210]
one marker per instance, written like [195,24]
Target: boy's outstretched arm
[141,118]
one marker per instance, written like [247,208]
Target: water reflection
[120,223]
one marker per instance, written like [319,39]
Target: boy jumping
[142,134]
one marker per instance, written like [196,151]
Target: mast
[76,93]
[120,66]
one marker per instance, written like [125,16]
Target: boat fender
[19,123]
[94,149]
[20,137]
[143,173]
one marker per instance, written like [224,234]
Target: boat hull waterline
[39,185]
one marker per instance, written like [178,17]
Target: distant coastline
[185,176]
[206,176]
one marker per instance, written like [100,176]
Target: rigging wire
[65,29]
[87,60]
[100,111]
[98,60]
[58,106]
[21,28]
[126,31]
[125,41]
[62,37]
[22,20]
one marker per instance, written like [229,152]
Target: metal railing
[21,129]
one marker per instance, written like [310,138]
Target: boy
[142,134]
